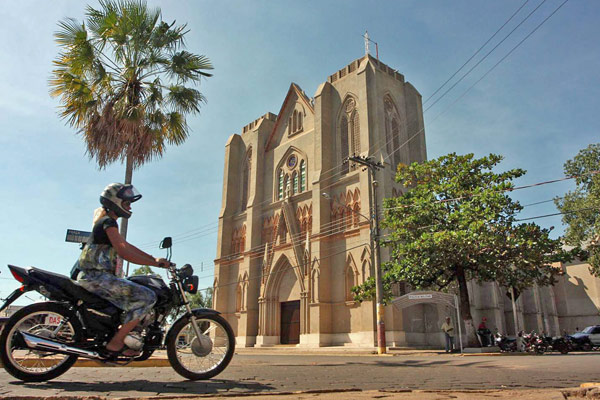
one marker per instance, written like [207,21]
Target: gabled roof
[301,95]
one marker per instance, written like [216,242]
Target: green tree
[457,223]
[143,270]
[126,83]
[197,300]
[581,206]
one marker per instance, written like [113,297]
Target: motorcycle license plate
[53,320]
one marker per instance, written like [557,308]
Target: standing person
[484,333]
[448,330]
[98,263]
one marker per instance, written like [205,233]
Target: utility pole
[372,167]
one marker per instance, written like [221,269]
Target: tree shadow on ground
[396,364]
[153,387]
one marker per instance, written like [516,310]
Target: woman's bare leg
[117,342]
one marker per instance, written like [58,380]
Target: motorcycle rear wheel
[35,365]
[204,358]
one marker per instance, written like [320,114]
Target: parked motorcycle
[505,343]
[534,343]
[43,340]
[581,343]
[561,344]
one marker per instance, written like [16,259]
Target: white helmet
[115,194]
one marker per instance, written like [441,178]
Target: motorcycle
[505,343]
[43,340]
[533,343]
[580,343]
[558,343]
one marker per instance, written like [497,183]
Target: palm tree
[126,83]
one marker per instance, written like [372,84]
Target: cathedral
[294,227]
[293,234]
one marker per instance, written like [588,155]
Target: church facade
[294,235]
[294,230]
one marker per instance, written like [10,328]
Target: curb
[590,385]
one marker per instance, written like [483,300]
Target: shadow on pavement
[396,364]
[152,387]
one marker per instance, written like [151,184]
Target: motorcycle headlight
[185,271]
[190,284]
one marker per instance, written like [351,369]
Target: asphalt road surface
[276,373]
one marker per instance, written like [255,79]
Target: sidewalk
[159,358]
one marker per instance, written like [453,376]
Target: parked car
[587,338]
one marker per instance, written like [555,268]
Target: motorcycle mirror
[166,243]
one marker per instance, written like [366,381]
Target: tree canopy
[143,270]
[123,78]
[581,206]
[456,222]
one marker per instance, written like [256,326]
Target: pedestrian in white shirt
[448,330]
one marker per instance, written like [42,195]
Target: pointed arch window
[396,140]
[302,176]
[392,132]
[246,179]
[344,141]
[295,183]
[355,132]
[350,282]
[349,124]
[291,176]
[280,192]
[295,123]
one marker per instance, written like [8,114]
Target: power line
[477,52]
[512,189]
[287,269]
[559,213]
[366,243]
[484,57]
[460,97]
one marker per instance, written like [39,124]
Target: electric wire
[484,57]
[354,247]
[421,130]
[511,189]
[477,52]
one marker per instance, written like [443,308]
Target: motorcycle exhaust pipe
[40,343]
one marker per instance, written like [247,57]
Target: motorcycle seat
[71,288]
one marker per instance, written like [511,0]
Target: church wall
[577,297]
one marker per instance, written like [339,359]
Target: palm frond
[175,129]
[187,66]
[184,100]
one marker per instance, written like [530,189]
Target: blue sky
[538,108]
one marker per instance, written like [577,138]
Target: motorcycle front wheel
[198,358]
[50,320]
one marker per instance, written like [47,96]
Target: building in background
[294,231]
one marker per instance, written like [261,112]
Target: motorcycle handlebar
[164,265]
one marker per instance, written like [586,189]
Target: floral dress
[98,262]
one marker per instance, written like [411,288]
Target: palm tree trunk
[123,230]
[128,176]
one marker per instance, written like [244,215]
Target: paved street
[276,373]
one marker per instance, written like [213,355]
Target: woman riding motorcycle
[98,263]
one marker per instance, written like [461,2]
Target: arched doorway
[280,308]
